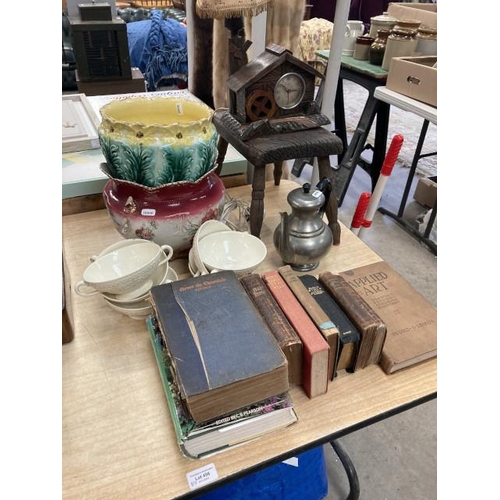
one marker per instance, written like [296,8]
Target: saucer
[140,307]
[139,310]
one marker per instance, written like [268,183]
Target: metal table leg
[345,170]
[350,470]
[411,174]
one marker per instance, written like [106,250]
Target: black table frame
[352,150]
[313,444]
[398,217]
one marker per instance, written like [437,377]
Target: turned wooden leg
[257,204]
[222,150]
[325,170]
[278,172]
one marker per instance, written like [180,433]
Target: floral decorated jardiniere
[155,141]
[168,214]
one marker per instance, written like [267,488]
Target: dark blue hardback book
[349,335]
[223,354]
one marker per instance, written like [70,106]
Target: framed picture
[79,124]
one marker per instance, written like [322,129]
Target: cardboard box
[415,77]
[426,191]
[424,12]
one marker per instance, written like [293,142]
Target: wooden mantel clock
[274,93]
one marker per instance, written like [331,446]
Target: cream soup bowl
[123,270]
[240,252]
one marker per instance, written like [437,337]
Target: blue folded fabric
[158,47]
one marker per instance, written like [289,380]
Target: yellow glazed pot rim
[146,112]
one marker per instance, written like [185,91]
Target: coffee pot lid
[306,197]
[383,18]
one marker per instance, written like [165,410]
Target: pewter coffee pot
[302,238]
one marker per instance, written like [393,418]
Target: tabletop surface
[117,437]
[407,103]
[357,65]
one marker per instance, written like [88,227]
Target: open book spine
[283,331]
[348,333]
[315,348]
[373,330]
[322,321]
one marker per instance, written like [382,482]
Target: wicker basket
[152,4]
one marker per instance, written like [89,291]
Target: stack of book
[229,348]
[346,321]
[225,377]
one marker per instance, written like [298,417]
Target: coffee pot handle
[325,186]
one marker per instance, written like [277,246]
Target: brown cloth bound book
[371,327]
[410,318]
[315,348]
[223,354]
[283,331]
[324,323]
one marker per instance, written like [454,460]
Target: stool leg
[222,150]
[278,172]
[257,204]
[325,170]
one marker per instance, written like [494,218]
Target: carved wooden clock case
[275,91]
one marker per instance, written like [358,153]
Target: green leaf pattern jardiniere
[155,141]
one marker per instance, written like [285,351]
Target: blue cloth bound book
[223,354]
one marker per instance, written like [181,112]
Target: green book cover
[198,440]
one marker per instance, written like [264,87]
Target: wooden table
[118,441]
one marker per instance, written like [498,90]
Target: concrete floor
[395,459]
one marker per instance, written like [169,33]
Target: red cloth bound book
[315,348]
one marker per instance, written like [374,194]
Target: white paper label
[294,461]
[202,476]
[179,108]
[148,212]
[316,194]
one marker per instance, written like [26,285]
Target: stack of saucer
[138,306]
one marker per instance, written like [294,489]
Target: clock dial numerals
[260,105]
[289,90]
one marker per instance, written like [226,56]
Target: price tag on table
[202,476]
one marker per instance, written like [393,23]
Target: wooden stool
[312,143]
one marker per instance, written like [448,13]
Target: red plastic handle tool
[359,215]
[392,155]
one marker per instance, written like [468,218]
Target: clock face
[289,90]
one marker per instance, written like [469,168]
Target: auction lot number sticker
[202,476]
